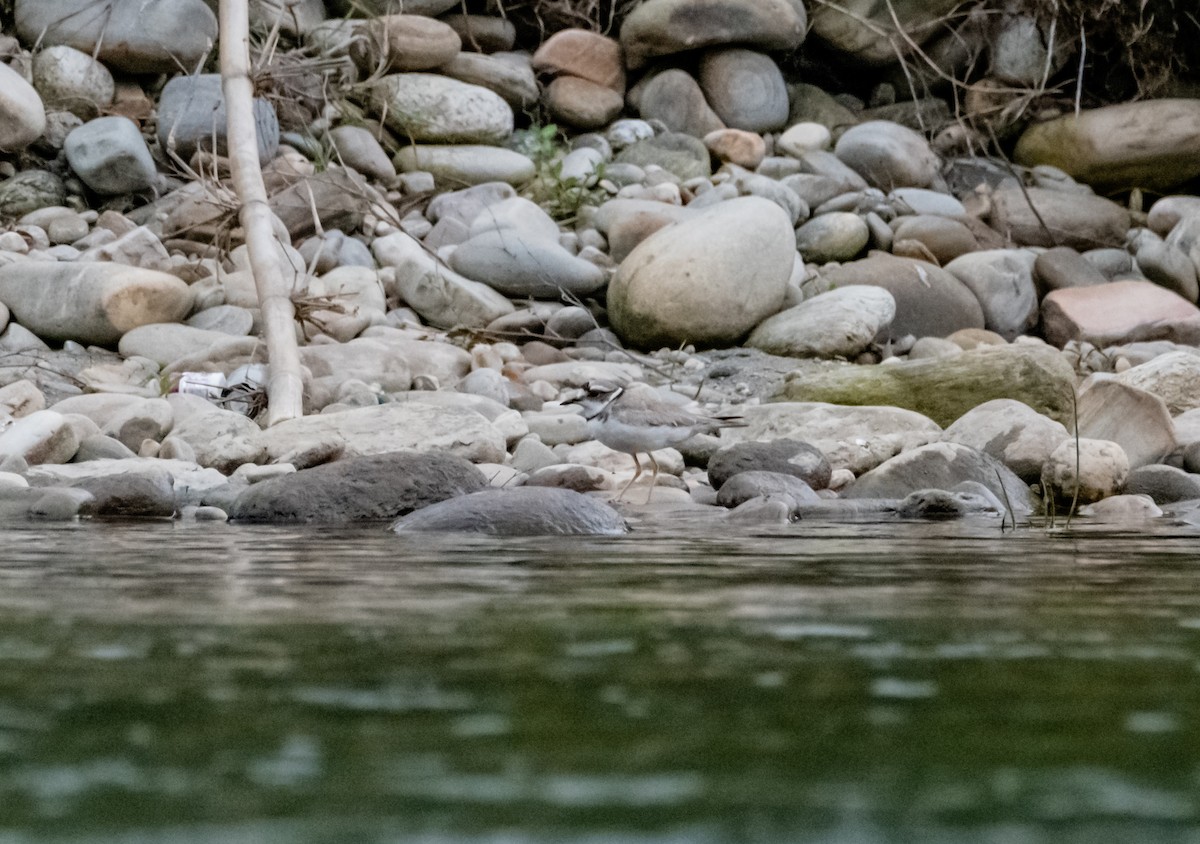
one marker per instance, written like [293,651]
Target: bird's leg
[636,475]
[653,477]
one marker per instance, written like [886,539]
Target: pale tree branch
[285,385]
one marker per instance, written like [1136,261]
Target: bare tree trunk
[285,385]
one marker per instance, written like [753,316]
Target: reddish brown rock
[581,103]
[588,55]
[1119,312]
[745,149]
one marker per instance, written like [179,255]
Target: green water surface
[850,684]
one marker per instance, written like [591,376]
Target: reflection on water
[842,683]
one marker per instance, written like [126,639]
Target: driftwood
[263,230]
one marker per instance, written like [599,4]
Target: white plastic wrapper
[209,385]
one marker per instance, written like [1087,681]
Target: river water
[180,683]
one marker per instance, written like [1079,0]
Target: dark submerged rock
[523,511]
[131,495]
[745,486]
[377,486]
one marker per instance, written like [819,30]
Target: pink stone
[578,52]
[1119,312]
[745,149]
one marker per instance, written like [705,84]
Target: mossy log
[945,388]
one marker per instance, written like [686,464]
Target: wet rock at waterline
[381,486]
[523,511]
[1086,470]
[943,466]
[1012,432]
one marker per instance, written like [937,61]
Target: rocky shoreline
[481,223]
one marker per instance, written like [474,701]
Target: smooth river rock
[930,302]
[1081,221]
[943,466]
[430,108]
[440,295]
[745,88]
[111,157]
[664,27]
[396,426]
[22,114]
[377,486]
[90,303]
[947,387]
[138,36]
[522,511]
[1119,312]
[888,155]
[1152,144]
[1012,432]
[708,280]
[853,438]
[470,164]
[840,323]
[866,29]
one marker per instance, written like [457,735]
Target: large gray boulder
[1042,217]
[745,88]
[440,295]
[866,30]
[1002,281]
[111,157]
[708,280]
[523,511]
[1136,420]
[71,80]
[783,456]
[888,155]
[378,486]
